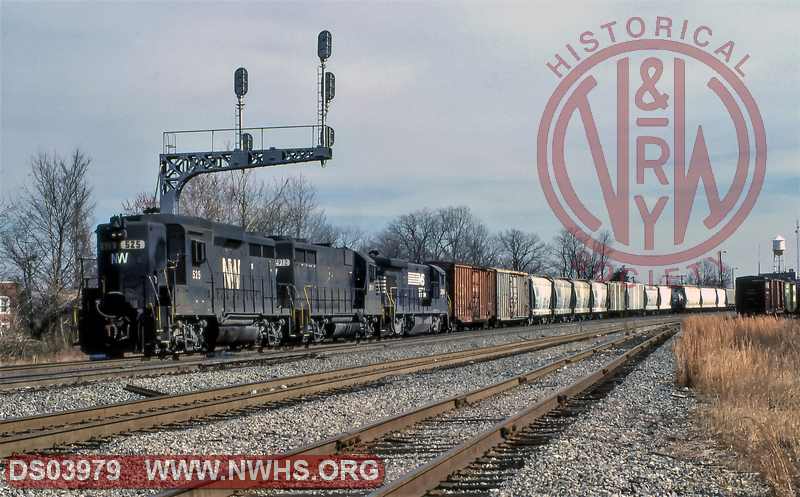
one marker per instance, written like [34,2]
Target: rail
[355,440]
[45,431]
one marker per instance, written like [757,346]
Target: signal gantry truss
[176,169]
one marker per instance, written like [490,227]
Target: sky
[437,103]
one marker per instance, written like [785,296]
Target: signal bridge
[178,167]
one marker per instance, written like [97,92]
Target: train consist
[765,294]
[168,283]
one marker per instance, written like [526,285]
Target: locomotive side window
[256,250]
[348,258]
[198,252]
[268,252]
[311,257]
[300,255]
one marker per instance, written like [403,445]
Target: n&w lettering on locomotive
[232,270]
[119,258]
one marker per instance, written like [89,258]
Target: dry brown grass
[17,349]
[750,369]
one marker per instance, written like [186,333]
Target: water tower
[778,248]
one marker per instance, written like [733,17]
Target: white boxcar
[583,293]
[616,296]
[541,294]
[562,289]
[634,297]
[708,297]
[720,298]
[730,298]
[664,298]
[513,302]
[651,298]
[599,297]
[692,294]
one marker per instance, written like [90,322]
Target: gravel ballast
[639,440]
[282,428]
[30,402]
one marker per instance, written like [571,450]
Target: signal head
[330,86]
[324,45]
[247,141]
[240,82]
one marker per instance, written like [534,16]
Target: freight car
[513,299]
[541,299]
[582,297]
[720,298]
[730,298]
[790,303]
[616,297]
[759,295]
[472,292]
[686,298]
[708,298]
[562,299]
[651,299]
[634,298]
[664,298]
[599,299]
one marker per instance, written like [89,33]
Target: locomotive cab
[119,313]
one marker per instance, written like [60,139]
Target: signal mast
[177,168]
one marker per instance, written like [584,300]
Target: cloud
[436,104]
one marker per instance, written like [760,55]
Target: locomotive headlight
[118,231]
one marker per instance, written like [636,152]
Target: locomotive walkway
[45,431]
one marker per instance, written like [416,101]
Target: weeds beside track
[749,368]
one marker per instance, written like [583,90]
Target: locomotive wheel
[317,332]
[274,335]
[436,325]
[399,326]
[368,329]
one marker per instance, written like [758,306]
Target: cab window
[198,252]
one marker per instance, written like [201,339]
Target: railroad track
[489,458]
[81,372]
[50,430]
[393,437]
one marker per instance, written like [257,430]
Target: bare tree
[597,259]
[49,233]
[203,197]
[458,225]
[449,233]
[571,258]
[139,204]
[482,248]
[567,254]
[413,235]
[706,273]
[351,237]
[522,251]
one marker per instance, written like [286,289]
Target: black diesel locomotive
[170,283]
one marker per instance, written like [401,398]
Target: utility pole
[759,259]
[797,247]
[719,253]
